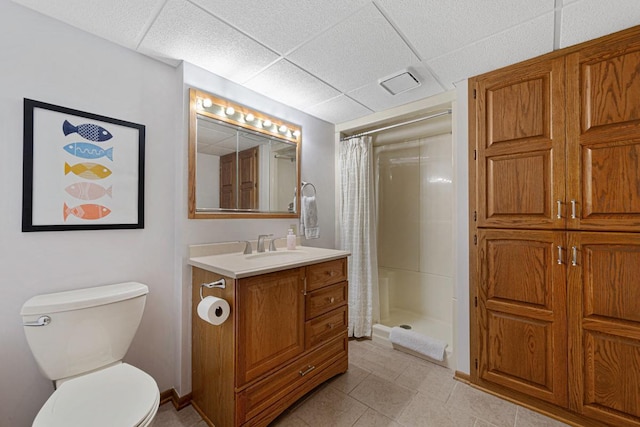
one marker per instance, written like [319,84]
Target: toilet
[79,339]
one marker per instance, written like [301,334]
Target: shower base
[419,323]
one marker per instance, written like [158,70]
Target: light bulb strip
[240,115]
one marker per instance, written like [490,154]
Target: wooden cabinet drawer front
[276,387]
[325,327]
[326,273]
[325,299]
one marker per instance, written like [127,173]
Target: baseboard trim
[461,376]
[179,402]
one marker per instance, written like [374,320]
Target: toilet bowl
[78,339]
[120,395]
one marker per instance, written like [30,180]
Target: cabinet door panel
[603,136]
[605,326]
[248,173]
[521,312]
[519,117]
[515,183]
[508,336]
[270,322]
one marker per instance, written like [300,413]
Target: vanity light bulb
[296,133]
[250,117]
[230,111]
[267,123]
[283,129]
[206,103]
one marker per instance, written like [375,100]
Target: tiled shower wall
[415,198]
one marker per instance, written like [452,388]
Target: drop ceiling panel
[285,82]
[186,32]
[214,150]
[211,136]
[378,99]
[435,27]
[248,140]
[590,19]
[120,21]
[282,24]
[525,41]
[338,110]
[355,52]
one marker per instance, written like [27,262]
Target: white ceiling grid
[326,57]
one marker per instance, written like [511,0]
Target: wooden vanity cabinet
[287,334]
[555,252]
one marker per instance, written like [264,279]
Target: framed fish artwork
[81,171]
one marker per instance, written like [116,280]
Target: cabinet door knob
[331,300]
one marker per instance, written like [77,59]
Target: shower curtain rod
[431,116]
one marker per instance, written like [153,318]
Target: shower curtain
[358,233]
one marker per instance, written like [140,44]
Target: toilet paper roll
[213,310]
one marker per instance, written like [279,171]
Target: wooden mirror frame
[293,136]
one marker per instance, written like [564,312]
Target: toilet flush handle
[42,321]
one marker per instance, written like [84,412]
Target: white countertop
[237,265]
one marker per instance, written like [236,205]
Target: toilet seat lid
[121,395]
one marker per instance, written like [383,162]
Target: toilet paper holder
[220,284]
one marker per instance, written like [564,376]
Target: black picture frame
[81,171]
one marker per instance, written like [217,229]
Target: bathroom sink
[238,265]
[278,255]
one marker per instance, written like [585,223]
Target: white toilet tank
[88,328]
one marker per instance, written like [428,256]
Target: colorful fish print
[88,151]
[87,131]
[88,191]
[88,211]
[88,170]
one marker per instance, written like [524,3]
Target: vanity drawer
[325,299]
[326,273]
[306,373]
[325,327]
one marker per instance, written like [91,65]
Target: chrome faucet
[247,247]
[261,241]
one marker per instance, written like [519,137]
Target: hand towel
[309,217]
[417,342]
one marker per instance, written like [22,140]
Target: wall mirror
[242,163]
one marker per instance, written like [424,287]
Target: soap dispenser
[291,240]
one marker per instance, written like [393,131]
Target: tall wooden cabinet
[555,175]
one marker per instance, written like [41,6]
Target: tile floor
[388,388]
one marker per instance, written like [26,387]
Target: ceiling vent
[399,83]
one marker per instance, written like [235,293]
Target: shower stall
[413,168]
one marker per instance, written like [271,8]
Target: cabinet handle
[573,209]
[574,256]
[330,325]
[304,291]
[559,214]
[331,300]
[306,371]
[559,261]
